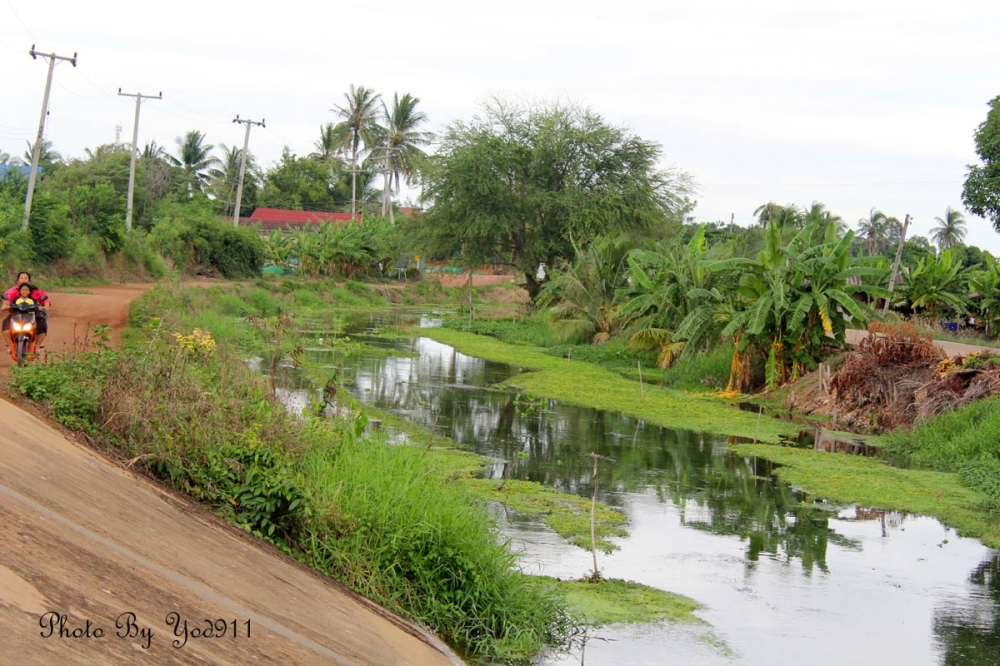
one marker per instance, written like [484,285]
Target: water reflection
[785,578]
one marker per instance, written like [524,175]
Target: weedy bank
[181,404]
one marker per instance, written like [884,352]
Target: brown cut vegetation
[898,377]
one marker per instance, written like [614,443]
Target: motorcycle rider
[40,298]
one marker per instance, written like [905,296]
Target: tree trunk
[532,285]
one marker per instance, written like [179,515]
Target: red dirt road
[84,538]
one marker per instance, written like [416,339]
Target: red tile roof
[277,218]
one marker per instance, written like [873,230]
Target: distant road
[950,348]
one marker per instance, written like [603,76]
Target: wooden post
[642,393]
[593,510]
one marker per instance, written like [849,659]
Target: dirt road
[127,562]
[853,337]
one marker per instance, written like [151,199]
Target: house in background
[21,169]
[270,219]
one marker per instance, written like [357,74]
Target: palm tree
[403,156]
[328,144]
[584,294]
[359,125]
[195,158]
[950,231]
[152,151]
[4,157]
[46,157]
[225,178]
[873,229]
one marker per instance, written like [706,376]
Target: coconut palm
[224,178]
[328,144]
[46,157]
[784,216]
[359,126]
[4,157]
[873,230]
[585,293]
[402,143]
[950,231]
[195,158]
[153,151]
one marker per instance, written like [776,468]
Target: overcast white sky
[854,104]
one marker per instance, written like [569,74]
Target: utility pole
[895,264]
[243,165]
[131,167]
[387,185]
[36,152]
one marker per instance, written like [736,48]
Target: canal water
[784,578]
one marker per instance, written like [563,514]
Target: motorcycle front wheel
[22,350]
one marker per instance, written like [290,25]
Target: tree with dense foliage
[359,126]
[195,157]
[520,185]
[950,229]
[981,193]
[790,298]
[303,183]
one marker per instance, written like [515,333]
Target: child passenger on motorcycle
[38,296]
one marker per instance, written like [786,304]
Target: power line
[30,34]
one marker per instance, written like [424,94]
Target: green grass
[950,440]
[702,372]
[568,515]
[581,383]
[615,601]
[873,483]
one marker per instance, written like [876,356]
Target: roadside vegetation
[633,307]
[378,518]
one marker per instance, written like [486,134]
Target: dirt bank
[88,540]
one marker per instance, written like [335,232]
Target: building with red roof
[270,219]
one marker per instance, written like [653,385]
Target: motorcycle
[23,325]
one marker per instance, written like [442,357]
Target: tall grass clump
[415,542]
[532,331]
[964,440]
[949,440]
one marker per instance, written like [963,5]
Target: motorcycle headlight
[15,326]
[26,327]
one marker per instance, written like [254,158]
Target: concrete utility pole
[386,186]
[131,167]
[243,165]
[36,152]
[895,264]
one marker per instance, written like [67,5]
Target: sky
[852,104]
